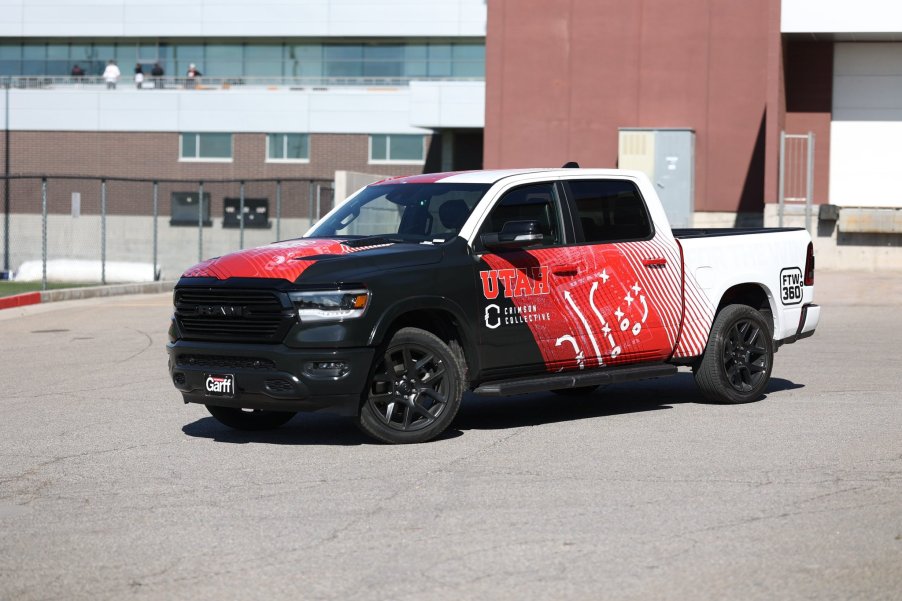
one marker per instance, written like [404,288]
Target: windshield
[408,212]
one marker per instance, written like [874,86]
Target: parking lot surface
[111,488]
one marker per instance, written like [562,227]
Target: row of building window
[383,148]
[238,59]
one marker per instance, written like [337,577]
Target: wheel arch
[752,294]
[437,315]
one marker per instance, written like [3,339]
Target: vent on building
[637,151]
[185,208]
[256,213]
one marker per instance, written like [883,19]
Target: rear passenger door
[632,290]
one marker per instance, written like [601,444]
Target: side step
[572,379]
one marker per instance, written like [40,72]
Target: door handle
[565,269]
[658,263]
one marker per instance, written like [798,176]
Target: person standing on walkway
[193,75]
[139,76]
[157,74]
[111,75]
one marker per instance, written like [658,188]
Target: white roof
[490,176]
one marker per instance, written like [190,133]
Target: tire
[250,419]
[739,357]
[414,390]
[575,391]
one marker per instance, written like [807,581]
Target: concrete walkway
[63,294]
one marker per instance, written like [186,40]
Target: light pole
[6,180]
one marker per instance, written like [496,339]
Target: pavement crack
[148,343]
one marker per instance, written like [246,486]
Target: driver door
[523,325]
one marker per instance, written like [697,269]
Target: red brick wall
[561,78]
[809,103]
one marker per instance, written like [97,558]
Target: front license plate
[219,384]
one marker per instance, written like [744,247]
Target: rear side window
[610,210]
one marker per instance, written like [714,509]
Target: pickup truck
[501,282]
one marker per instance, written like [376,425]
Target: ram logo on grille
[222,310]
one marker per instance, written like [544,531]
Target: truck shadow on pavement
[498,413]
[305,429]
[487,413]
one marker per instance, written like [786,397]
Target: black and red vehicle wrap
[517,312]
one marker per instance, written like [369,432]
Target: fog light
[327,369]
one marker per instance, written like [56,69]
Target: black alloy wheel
[738,359]
[415,389]
[744,357]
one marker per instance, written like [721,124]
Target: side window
[610,210]
[536,202]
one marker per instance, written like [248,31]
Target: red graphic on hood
[282,260]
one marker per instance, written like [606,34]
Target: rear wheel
[739,357]
[249,419]
[415,389]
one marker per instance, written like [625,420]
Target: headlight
[329,305]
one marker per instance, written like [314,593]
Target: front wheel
[250,419]
[739,356]
[414,390]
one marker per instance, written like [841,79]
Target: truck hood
[286,260]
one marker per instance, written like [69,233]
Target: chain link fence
[89,230]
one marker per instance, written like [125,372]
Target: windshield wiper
[373,240]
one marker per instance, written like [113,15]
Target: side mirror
[514,234]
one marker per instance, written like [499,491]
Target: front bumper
[273,377]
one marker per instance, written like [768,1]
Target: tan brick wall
[144,155]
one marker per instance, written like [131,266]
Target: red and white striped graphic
[679,298]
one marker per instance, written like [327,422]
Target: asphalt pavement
[111,488]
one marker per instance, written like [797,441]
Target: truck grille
[224,362]
[232,315]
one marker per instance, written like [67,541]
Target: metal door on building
[796,177]
[667,157]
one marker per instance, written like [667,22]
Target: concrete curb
[64,294]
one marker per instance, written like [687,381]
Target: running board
[573,379]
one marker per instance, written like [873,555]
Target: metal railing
[36,82]
[796,176]
[104,222]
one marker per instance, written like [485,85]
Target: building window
[205,147]
[397,148]
[287,147]
[296,57]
